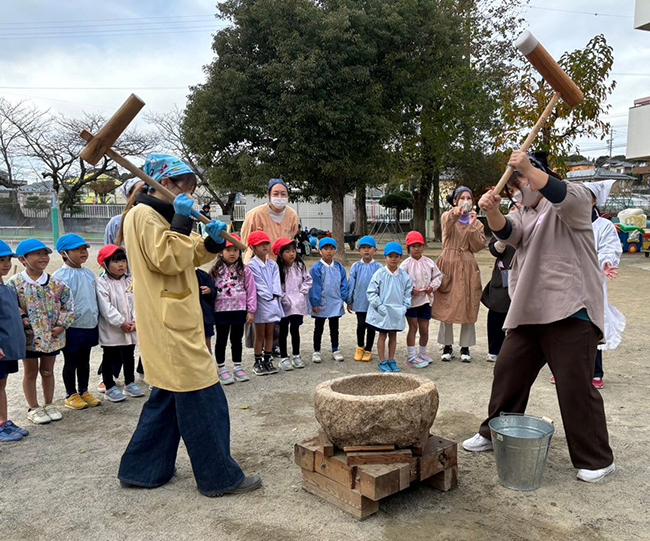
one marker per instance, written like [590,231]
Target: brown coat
[259,219]
[458,298]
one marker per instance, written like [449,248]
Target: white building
[638,129]
[642,15]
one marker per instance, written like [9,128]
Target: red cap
[233,235]
[258,237]
[106,252]
[281,243]
[414,237]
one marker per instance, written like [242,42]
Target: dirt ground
[60,482]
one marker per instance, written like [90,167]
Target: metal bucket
[521,444]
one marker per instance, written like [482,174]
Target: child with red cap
[269,310]
[296,283]
[426,277]
[234,306]
[117,333]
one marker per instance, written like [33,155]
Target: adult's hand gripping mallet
[100,145]
[555,76]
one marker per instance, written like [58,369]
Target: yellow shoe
[367,356]
[75,402]
[359,354]
[90,400]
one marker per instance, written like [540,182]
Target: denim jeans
[201,418]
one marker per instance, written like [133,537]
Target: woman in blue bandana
[458,298]
[186,400]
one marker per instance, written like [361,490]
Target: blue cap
[275,181]
[70,241]
[5,250]
[393,248]
[325,241]
[367,241]
[30,245]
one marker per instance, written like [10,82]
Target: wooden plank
[404,475]
[326,446]
[335,468]
[415,469]
[385,457]
[419,446]
[304,454]
[445,480]
[438,455]
[348,499]
[356,448]
[376,481]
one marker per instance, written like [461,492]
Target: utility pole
[611,143]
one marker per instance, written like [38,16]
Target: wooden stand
[355,479]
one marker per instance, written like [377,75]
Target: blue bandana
[160,166]
[275,181]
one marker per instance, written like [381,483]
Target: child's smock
[269,291]
[12,335]
[297,283]
[115,299]
[235,294]
[329,288]
[360,275]
[83,285]
[389,296]
[424,274]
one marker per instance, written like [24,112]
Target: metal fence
[239,212]
[377,213]
[96,211]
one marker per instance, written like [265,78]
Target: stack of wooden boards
[357,478]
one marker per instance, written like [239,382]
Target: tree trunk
[420,202]
[229,206]
[361,225]
[338,219]
[437,224]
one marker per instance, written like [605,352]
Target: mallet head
[548,68]
[111,131]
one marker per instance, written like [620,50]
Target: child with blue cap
[360,274]
[47,310]
[83,334]
[389,296]
[12,345]
[328,291]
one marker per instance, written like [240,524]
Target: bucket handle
[543,418]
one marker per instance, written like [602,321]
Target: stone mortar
[376,409]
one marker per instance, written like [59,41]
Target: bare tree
[169,127]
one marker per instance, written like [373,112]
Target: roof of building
[598,173]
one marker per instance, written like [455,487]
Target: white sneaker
[465,355]
[285,364]
[298,362]
[477,444]
[338,356]
[53,413]
[38,416]
[491,358]
[316,357]
[593,476]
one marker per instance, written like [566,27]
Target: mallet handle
[121,160]
[529,140]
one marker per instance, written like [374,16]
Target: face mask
[525,196]
[279,202]
[466,206]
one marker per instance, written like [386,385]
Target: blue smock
[360,275]
[329,289]
[12,332]
[83,286]
[389,296]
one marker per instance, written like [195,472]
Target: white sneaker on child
[298,362]
[338,356]
[285,364]
[316,357]
[38,416]
[53,413]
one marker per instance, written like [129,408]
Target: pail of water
[521,444]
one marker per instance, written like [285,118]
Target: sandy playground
[60,482]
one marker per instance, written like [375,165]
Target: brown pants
[569,348]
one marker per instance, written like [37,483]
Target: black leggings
[236,334]
[319,327]
[114,358]
[76,364]
[496,334]
[290,324]
[364,332]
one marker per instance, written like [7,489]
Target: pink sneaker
[598,383]
[415,362]
[425,358]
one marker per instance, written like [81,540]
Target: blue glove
[214,229]
[184,206]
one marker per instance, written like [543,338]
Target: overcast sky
[117,47]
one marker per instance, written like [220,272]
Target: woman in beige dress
[457,301]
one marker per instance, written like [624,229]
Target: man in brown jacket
[556,314]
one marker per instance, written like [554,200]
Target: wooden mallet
[100,145]
[555,76]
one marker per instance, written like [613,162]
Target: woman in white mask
[275,218]
[556,310]
[458,298]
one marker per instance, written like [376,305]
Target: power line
[53,99]
[595,14]
[94,87]
[165,32]
[100,28]
[150,23]
[191,26]
[102,20]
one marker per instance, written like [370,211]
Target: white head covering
[601,190]
[127,187]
